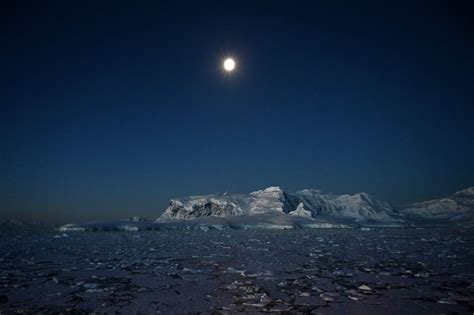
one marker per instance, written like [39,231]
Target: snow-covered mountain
[358,207]
[273,208]
[309,203]
[457,208]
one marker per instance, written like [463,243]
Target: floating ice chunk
[325,226]
[129,228]
[364,288]
[71,228]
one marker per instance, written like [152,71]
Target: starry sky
[109,109]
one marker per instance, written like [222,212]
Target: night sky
[110,109]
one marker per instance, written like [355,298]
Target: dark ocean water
[321,271]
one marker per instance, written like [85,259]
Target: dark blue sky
[109,110]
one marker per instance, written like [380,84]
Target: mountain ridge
[311,203]
[274,208]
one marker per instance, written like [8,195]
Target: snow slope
[457,208]
[359,207]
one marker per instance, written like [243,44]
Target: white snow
[359,207]
[459,207]
[301,212]
[269,199]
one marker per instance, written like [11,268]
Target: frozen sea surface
[330,271]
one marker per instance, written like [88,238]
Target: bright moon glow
[229,64]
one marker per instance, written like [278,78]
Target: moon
[229,64]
